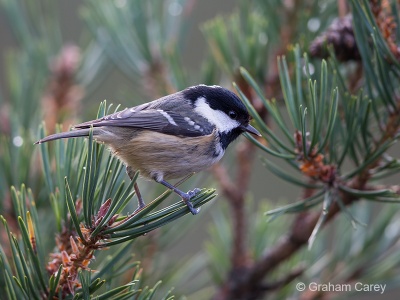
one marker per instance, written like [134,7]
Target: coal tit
[171,137]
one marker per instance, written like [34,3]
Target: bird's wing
[162,121]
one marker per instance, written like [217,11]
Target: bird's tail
[65,135]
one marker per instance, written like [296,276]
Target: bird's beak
[250,129]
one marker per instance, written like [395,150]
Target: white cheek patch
[167,116]
[219,118]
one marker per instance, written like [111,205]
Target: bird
[176,135]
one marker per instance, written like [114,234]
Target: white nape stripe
[220,119]
[167,116]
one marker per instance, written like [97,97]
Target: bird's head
[223,109]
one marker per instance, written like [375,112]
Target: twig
[75,254]
[302,228]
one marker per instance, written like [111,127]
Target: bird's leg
[185,196]
[141,203]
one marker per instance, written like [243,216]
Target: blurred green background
[61,59]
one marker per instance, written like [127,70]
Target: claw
[193,210]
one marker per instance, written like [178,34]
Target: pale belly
[160,156]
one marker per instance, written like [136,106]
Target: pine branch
[340,190]
[252,282]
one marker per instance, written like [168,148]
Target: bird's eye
[232,114]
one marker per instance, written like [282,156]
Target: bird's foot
[193,192]
[189,204]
